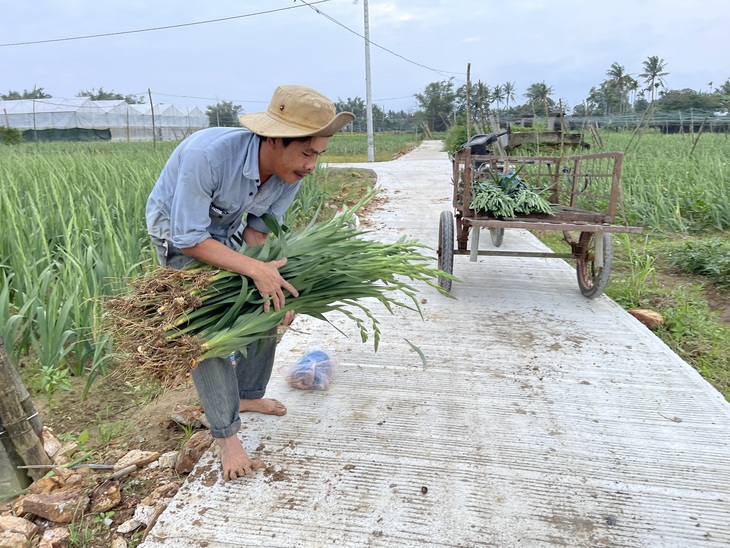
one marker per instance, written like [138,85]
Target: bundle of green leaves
[504,195]
[171,319]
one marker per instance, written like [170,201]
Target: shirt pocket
[222,216]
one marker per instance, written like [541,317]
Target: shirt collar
[251,161]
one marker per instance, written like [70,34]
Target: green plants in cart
[505,195]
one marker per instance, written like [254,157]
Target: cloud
[569,44]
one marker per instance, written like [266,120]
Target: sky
[192,60]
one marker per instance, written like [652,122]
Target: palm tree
[509,89]
[632,86]
[653,74]
[540,93]
[617,74]
[497,94]
[436,104]
[618,83]
[480,103]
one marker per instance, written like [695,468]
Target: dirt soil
[719,302]
[118,415]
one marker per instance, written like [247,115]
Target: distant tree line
[440,105]
[95,95]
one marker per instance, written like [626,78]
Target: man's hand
[265,276]
[271,284]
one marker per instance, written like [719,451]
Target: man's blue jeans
[220,383]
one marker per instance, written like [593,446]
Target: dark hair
[289,140]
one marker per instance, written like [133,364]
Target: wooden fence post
[12,479]
[17,424]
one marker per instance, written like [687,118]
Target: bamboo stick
[702,127]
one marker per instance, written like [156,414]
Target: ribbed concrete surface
[540,418]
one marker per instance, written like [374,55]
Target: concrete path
[539,418]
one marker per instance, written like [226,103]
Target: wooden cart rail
[584,193]
[581,187]
[547,224]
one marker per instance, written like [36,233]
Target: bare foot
[267,406]
[235,463]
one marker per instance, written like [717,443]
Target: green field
[354,147]
[668,186]
[73,229]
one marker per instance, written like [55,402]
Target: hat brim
[266,126]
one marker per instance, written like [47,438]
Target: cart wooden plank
[546,224]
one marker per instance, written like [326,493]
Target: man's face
[299,159]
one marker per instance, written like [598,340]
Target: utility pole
[368,92]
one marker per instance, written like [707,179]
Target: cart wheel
[497,235]
[592,278]
[445,249]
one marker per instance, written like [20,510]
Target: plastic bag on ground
[313,371]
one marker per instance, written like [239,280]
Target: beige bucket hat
[297,111]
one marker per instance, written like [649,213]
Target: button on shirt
[207,186]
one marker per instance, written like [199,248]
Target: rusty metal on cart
[584,192]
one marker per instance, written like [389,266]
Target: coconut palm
[618,74]
[481,98]
[632,86]
[618,83]
[653,74]
[497,94]
[539,94]
[509,89]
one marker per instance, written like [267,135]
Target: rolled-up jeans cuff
[252,394]
[226,432]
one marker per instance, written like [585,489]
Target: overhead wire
[209,98]
[304,3]
[443,73]
[152,29]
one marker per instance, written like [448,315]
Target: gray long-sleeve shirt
[208,184]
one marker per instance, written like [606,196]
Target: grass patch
[646,276]
[353,147]
[704,257]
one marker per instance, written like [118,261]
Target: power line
[336,22]
[241,101]
[152,29]
[395,98]
[208,98]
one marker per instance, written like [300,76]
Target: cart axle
[541,255]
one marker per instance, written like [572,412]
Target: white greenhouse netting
[125,122]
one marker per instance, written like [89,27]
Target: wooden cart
[584,192]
